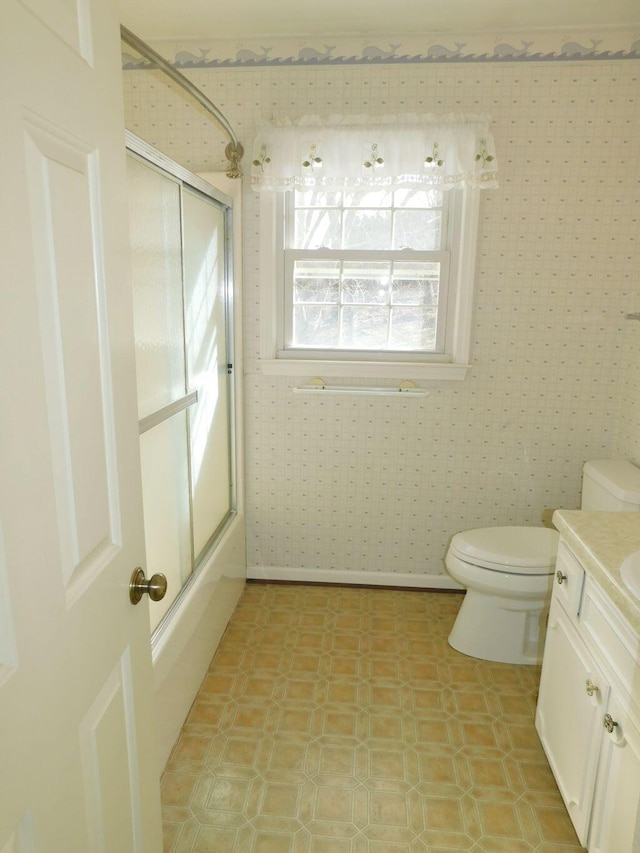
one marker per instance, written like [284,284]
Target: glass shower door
[181,317]
[207,365]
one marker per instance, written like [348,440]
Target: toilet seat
[508,550]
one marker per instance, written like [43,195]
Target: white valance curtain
[392,152]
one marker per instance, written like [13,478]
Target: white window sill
[362,369]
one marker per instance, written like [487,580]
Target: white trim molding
[362,369]
[404,579]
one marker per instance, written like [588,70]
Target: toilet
[508,572]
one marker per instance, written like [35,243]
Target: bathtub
[184,646]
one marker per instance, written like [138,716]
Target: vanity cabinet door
[571,705]
[616,822]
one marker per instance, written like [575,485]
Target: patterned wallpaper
[627,420]
[371,489]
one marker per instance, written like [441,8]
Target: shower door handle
[155,587]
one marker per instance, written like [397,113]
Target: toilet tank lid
[524,547]
[619,477]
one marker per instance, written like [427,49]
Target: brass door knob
[155,587]
[560,577]
[609,723]
[591,687]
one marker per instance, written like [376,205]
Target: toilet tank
[611,485]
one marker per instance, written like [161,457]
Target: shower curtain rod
[234,149]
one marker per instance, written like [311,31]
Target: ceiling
[259,19]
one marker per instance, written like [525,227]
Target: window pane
[364,328]
[417,229]
[366,282]
[373,198]
[318,198]
[413,329]
[417,198]
[367,229]
[316,281]
[315,325]
[415,284]
[317,228]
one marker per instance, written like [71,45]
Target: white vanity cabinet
[614,821]
[573,695]
[587,715]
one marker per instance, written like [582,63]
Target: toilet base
[505,630]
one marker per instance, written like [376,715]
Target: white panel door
[78,770]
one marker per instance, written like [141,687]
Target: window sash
[405,256]
[387,214]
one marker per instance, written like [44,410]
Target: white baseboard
[275,573]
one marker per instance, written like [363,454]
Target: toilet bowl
[508,573]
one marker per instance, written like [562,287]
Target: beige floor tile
[184,840]
[240,752]
[499,819]
[338,720]
[330,845]
[488,772]
[553,825]
[171,833]
[177,789]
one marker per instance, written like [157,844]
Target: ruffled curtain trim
[356,153]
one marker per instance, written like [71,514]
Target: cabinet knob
[609,723]
[591,687]
[560,577]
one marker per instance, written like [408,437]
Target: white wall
[357,485]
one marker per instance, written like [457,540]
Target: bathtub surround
[371,489]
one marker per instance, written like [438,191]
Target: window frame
[463,216]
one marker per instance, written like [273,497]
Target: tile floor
[338,720]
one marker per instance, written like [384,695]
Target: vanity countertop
[602,541]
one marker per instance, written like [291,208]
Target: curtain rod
[234,150]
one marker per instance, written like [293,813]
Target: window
[366,272]
[368,247]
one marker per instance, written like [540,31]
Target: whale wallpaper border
[475,48]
